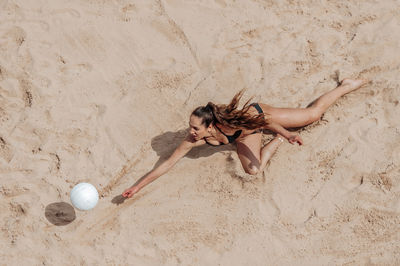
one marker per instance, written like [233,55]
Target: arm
[181,151]
[269,149]
[290,136]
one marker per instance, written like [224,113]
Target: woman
[223,124]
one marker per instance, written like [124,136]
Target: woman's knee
[314,114]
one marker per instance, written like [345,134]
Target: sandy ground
[101,91]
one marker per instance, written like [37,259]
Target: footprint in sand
[71,69]
[26,87]
[14,35]
[5,151]
[69,11]
[361,130]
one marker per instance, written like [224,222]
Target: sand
[101,91]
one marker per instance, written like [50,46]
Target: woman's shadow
[165,144]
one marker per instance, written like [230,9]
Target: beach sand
[101,92]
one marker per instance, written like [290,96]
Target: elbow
[268,127]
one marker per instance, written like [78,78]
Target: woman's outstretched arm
[181,151]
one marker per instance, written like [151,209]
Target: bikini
[232,138]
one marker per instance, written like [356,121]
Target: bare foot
[353,84]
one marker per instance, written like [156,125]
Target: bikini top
[231,138]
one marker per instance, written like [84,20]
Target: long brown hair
[229,115]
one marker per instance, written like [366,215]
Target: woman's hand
[130,192]
[295,138]
[280,130]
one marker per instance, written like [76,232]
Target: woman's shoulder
[191,142]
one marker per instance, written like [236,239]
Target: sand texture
[101,91]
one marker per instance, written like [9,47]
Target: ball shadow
[60,213]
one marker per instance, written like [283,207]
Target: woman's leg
[253,158]
[299,117]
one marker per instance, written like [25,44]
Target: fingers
[127,194]
[296,139]
[130,192]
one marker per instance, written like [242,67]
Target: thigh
[289,117]
[249,151]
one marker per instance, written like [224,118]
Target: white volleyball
[84,196]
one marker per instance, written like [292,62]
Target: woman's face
[197,129]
